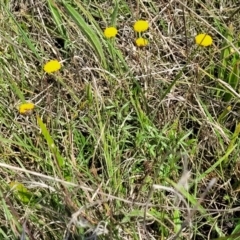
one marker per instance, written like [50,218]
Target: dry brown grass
[126,130]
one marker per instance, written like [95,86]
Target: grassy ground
[124,142]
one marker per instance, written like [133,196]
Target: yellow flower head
[26,108]
[141,26]
[52,66]
[141,42]
[110,32]
[203,39]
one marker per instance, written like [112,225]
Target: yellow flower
[141,26]
[26,108]
[203,39]
[141,42]
[110,32]
[52,66]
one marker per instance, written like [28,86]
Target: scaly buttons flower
[26,108]
[141,42]
[141,26]
[110,32]
[203,39]
[52,66]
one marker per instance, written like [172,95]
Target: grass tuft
[125,141]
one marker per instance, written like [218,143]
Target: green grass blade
[50,142]
[24,35]
[114,15]
[88,31]
[57,17]
[216,164]
[233,141]
[233,80]
[14,86]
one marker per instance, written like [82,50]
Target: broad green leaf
[20,192]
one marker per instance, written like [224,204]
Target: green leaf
[57,17]
[24,35]
[20,192]
[88,32]
[50,142]
[114,15]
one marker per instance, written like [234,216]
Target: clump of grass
[102,139]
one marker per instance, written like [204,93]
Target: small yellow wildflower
[203,39]
[52,66]
[141,42]
[141,26]
[26,108]
[110,32]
